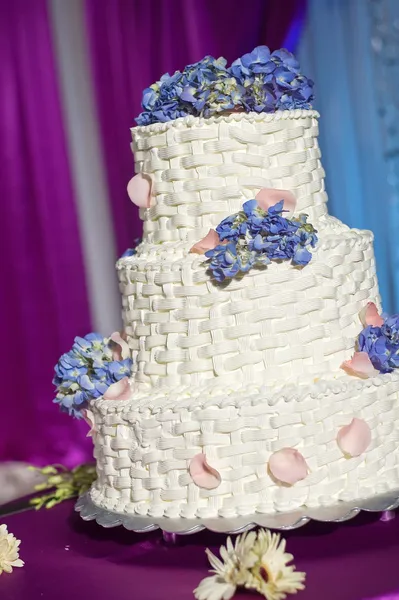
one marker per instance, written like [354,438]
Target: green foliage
[62,484]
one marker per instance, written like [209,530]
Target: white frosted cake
[237,402]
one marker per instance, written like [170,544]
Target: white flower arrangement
[9,551]
[257,561]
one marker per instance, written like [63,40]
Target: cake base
[342,511]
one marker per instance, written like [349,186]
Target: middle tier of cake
[277,323]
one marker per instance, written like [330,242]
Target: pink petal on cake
[139,190]
[119,390]
[268,197]
[359,365]
[123,351]
[288,466]
[89,418]
[210,241]
[369,316]
[202,474]
[354,439]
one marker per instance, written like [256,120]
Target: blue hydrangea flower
[255,62]
[254,237]
[120,368]
[372,341]
[299,95]
[270,223]
[259,81]
[228,229]
[95,338]
[128,252]
[259,96]
[226,261]
[284,58]
[306,233]
[80,398]
[275,224]
[199,81]
[286,80]
[301,256]
[224,95]
[275,247]
[66,401]
[71,360]
[132,251]
[86,345]
[161,101]
[75,372]
[390,329]
[86,372]
[86,383]
[271,81]
[250,219]
[381,344]
[202,89]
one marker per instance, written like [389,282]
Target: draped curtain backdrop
[133,42]
[43,296]
[351,50]
[44,299]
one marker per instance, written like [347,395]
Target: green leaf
[50,470]
[66,484]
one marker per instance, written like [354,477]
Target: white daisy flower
[272,576]
[256,561]
[9,551]
[230,572]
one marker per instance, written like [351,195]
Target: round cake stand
[342,511]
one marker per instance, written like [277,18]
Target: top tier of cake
[203,170]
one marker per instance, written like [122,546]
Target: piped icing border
[152,402]
[252,117]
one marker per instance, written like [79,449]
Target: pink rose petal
[119,390]
[202,474]
[268,197]
[210,241]
[288,466]
[369,316]
[122,349]
[355,438]
[359,365]
[139,190]
[89,418]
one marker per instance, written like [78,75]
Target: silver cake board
[337,513]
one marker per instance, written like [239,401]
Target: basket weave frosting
[237,372]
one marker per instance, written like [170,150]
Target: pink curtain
[133,42]
[43,295]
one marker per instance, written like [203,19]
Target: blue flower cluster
[382,344]
[271,81]
[203,88]
[254,237]
[260,81]
[86,372]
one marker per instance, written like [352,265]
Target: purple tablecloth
[69,559]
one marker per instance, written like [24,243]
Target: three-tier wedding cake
[254,372]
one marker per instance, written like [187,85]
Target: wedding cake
[254,373]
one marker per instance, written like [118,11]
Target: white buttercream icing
[240,371]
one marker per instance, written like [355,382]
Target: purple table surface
[69,559]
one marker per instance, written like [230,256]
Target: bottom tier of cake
[144,447]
